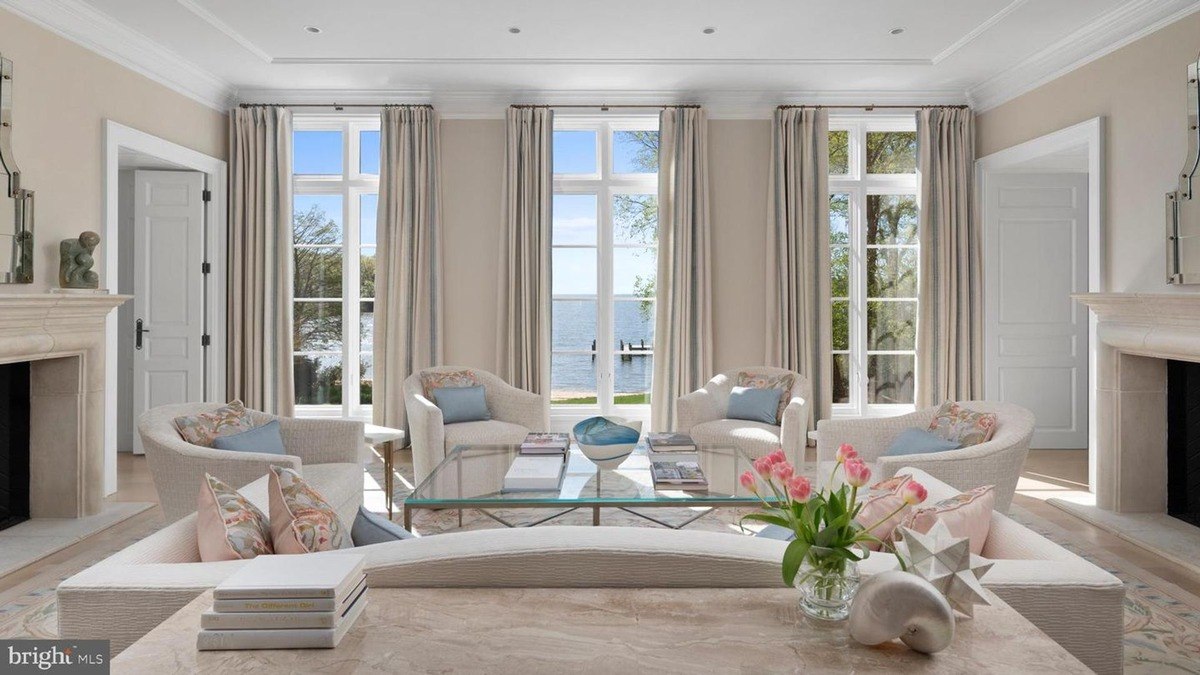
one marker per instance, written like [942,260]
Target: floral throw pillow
[228,526]
[764,381]
[448,378]
[967,514]
[203,428]
[957,424]
[301,520]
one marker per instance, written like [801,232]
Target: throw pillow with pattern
[228,526]
[967,514]
[203,428]
[765,381]
[447,378]
[301,520]
[957,424]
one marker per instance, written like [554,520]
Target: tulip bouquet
[822,559]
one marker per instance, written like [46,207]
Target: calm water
[574,327]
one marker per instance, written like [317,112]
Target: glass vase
[827,584]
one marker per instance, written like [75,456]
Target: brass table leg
[388,453]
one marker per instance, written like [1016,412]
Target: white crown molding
[229,32]
[82,24]
[978,30]
[1124,25]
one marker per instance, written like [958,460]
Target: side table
[385,439]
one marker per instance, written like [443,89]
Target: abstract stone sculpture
[75,261]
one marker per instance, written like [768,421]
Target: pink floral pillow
[203,428]
[447,378]
[957,424]
[228,526]
[301,520]
[967,514]
[764,381]
[884,501]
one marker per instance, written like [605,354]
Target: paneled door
[168,290]
[1035,256]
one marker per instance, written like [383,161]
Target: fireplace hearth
[14,444]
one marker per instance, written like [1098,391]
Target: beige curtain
[950,320]
[523,340]
[259,369]
[408,275]
[683,311]
[798,309]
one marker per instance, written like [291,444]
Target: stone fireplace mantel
[1136,334]
[62,336]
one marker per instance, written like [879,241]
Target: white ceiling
[461,55]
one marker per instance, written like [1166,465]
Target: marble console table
[541,630]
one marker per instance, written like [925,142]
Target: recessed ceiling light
[896,31]
[312,29]
[514,30]
[709,31]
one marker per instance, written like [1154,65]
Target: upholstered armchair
[997,461]
[702,414]
[178,467]
[514,413]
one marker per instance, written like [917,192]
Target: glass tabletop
[474,475]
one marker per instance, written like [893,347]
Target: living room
[866,329]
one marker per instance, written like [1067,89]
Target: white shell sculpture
[897,604]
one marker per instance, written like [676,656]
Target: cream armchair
[514,413]
[997,462]
[178,467]
[701,414]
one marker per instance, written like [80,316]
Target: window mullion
[604,341]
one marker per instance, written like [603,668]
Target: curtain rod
[603,106]
[871,107]
[337,106]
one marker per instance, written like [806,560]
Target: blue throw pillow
[372,528]
[266,438]
[754,404]
[461,404]
[919,442]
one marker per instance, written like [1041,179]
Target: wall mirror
[16,203]
[1183,205]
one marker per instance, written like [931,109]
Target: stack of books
[535,473]
[670,445]
[286,602]
[678,474]
[545,444]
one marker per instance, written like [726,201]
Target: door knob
[138,330]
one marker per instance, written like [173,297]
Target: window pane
[891,325]
[841,324]
[366,272]
[634,271]
[839,218]
[368,212]
[573,379]
[840,268]
[891,219]
[635,218]
[575,152]
[839,153]
[368,152]
[317,327]
[890,378]
[841,378]
[317,273]
[635,152]
[573,325]
[366,358]
[633,323]
[574,271]
[892,273]
[317,219]
[574,219]
[318,379]
[631,378]
[317,153]
[891,152]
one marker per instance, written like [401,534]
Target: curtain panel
[798,283]
[950,318]
[259,368]
[408,275]
[523,339]
[683,296]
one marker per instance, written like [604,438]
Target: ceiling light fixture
[312,29]
[896,31]
[709,31]
[514,30]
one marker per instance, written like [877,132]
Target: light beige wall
[1139,90]
[62,95]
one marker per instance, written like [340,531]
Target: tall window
[873,237]
[336,194]
[605,261]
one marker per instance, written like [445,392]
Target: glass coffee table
[472,477]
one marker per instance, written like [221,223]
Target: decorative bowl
[607,441]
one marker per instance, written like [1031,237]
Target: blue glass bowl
[607,441]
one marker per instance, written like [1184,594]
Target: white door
[168,290]
[1035,257]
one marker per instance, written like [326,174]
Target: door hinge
[205,268]
[206,195]
[205,340]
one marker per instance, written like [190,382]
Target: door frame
[116,137]
[1090,134]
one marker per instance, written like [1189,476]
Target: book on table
[545,444]
[678,474]
[671,446]
[535,473]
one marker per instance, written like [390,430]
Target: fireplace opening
[1183,441]
[14,443]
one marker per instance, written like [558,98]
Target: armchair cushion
[436,379]
[783,382]
[461,404]
[202,428]
[919,442]
[756,438]
[491,432]
[953,422]
[754,404]
[266,438]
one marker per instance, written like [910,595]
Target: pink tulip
[782,471]
[857,473]
[748,482]
[799,488]
[777,457]
[762,465]
[846,452]
[913,493]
